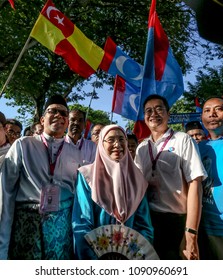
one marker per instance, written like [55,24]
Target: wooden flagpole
[15,66]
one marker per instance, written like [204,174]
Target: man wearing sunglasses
[38,178]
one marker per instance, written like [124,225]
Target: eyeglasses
[113,140]
[157,109]
[54,111]
[13,133]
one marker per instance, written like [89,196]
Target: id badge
[49,201]
[153,190]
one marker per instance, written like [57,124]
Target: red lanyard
[51,164]
[154,160]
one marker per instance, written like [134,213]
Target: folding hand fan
[118,242]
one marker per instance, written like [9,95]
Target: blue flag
[162,73]
[117,62]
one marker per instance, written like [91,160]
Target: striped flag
[57,33]
[162,73]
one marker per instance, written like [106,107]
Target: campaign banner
[184,118]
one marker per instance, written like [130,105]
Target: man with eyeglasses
[13,129]
[38,182]
[171,164]
[210,238]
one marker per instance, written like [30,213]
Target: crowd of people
[58,188]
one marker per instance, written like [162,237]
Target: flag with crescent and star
[125,99]
[57,33]
[117,62]
[162,73]
[126,103]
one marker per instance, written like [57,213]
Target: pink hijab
[118,187]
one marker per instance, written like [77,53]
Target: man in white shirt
[171,164]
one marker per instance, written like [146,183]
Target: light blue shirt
[212,211]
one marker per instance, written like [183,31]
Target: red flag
[141,130]
[12,4]
[198,105]
[56,32]
[118,96]
[87,129]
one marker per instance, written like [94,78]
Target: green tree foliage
[209,82]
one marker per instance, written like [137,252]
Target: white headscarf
[118,187]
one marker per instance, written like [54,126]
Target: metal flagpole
[15,66]
[92,95]
[111,117]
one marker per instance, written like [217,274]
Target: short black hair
[157,96]
[212,97]
[33,126]
[92,127]
[2,119]
[79,111]
[27,131]
[132,136]
[15,122]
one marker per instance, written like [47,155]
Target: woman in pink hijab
[111,190]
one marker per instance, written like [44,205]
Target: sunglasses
[54,111]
